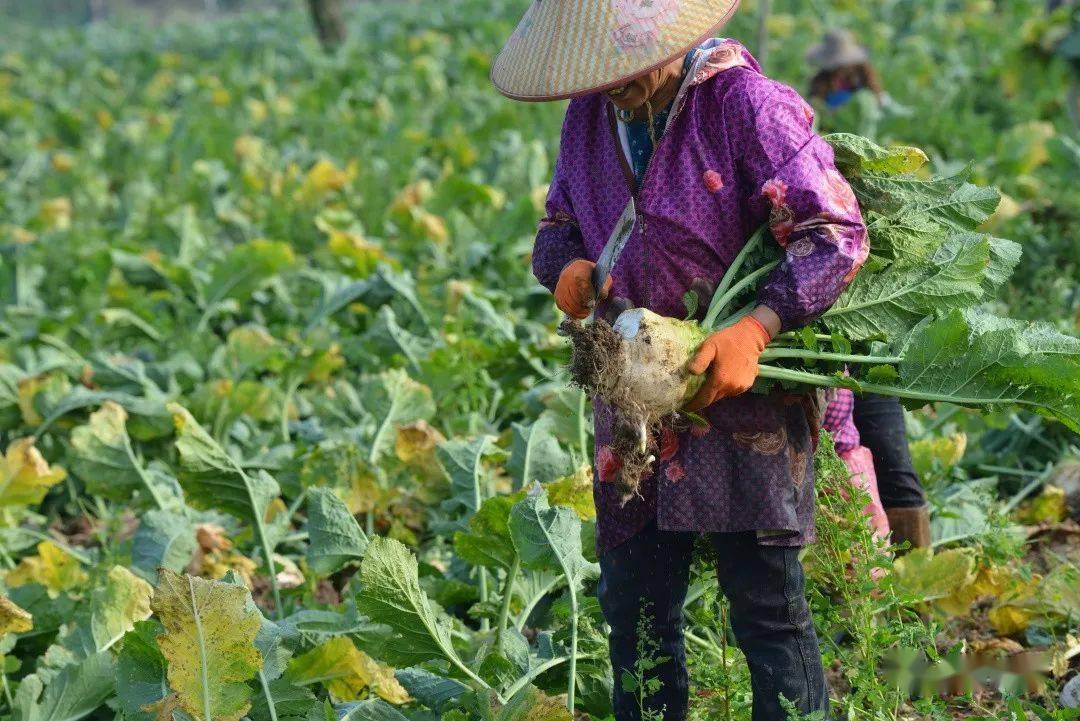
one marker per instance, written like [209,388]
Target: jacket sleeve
[793,184]
[558,239]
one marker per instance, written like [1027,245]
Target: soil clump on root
[595,368]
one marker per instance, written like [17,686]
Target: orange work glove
[574,292]
[731,357]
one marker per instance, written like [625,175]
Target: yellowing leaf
[52,567]
[432,226]
[220,97]
[346,672]
[284,106]
[1008,620]
[55,214]
[209,643]
[575,491]
[1023,148]
[62,162]
[989,581]
[359,254]
[25,476]
[248,147]
[12,618]
[51,387]
[216,565]
[113,610]
[1007,209]
[1047,507]
[938,453]
[322,178]
[416,443]
[922,575]
[104,119]
[257,109]
[412,196]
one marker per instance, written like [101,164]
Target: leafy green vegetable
[335,538]
[390,594]
[209,644]
[549,538]
[113,610]
[215,479]
[889,304]
[535,455]
[75,692]
[164,540]
[141,671]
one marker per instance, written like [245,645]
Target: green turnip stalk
[508,595]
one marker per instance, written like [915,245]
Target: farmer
[843,69]
[709,148]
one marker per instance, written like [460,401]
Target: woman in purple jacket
[709,149]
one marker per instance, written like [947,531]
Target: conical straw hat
[567,48]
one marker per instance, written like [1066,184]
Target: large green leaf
[212,478]
[372,710]
[890,303]
[141,671]
[487,541]
[75,692]
[209,643]
[165,539]
[430,689]
[335,539]
[856,155]
[102,455]
[390,594]
[310,627]
[291,702]
[470,480]
[387,338]
[972,358]
[394,400]
[536,455]
[113,610]
[245,267]
[950,202]
[549,538]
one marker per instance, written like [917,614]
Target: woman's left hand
[731,358]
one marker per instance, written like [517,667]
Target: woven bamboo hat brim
[568,48]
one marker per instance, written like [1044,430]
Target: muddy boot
[910,526]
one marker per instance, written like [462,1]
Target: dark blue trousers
[880,421]
[769,616]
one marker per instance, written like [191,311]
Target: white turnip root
[638,368]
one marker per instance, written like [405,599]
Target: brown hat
[568,48]
[836,50]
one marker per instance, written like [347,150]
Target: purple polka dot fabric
[738,151]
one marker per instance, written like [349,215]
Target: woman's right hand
[574,292]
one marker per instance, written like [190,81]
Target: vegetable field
[285,420]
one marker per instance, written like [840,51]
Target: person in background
[845,72]
[709,148]
[843,69]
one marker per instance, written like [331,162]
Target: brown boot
[911,526]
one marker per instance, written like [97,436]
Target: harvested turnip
[638,368]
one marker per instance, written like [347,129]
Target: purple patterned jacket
[738,149]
